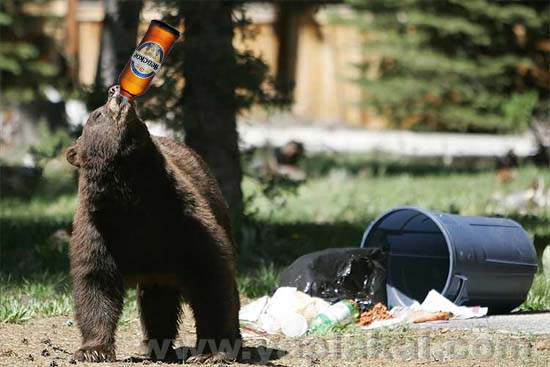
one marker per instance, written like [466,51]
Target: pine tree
[29,58]
[205,83]
[476,65]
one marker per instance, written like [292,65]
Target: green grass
[259,282]
[538,298]
[44,295]
[60,208]
[342,194]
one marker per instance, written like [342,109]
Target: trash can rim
[431,215]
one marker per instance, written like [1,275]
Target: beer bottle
[147,59]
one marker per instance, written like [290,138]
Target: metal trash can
[470,260]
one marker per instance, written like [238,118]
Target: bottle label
[146,60]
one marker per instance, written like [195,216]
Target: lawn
[341,195]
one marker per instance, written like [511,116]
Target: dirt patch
[50,342]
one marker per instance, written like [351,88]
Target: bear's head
[112,134]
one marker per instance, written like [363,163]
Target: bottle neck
[126,95]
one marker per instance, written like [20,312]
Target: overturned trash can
[470,260]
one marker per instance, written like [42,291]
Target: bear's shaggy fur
[150,215]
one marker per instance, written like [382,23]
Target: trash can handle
[462,295]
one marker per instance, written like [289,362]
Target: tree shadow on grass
[37,245]
[33,245]
[282,243]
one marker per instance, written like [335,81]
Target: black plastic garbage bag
[340,273]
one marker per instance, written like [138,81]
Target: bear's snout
[119,110]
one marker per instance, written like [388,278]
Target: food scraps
[377,313]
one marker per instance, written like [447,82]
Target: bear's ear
[72,155]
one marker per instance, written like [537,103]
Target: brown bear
[149,215]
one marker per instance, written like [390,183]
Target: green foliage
[455,65]
[51,144]
[29,58]
[46,295]
[43,295]
[58,176]
[539,296]
[259,282]
[130,311]
[249,73]
[28,241]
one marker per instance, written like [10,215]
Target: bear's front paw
[95,354]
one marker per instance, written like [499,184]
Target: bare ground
[51,341]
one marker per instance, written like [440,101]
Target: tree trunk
[118,41]
[209,102]
[287,28]
[71,39]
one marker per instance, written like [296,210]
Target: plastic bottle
[147,59]
[338,313]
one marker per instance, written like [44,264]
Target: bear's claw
[95,354]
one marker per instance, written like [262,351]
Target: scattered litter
[294,313]
[378,313]
[252,311]
[435,307]
[284,312]
[435,302]
[398,298]
[428,316]
[340,313]
[294,325]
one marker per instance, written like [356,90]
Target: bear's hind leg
[159,308]
[215,303]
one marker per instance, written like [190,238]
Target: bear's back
[194,170]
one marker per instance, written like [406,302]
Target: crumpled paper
[433,303]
